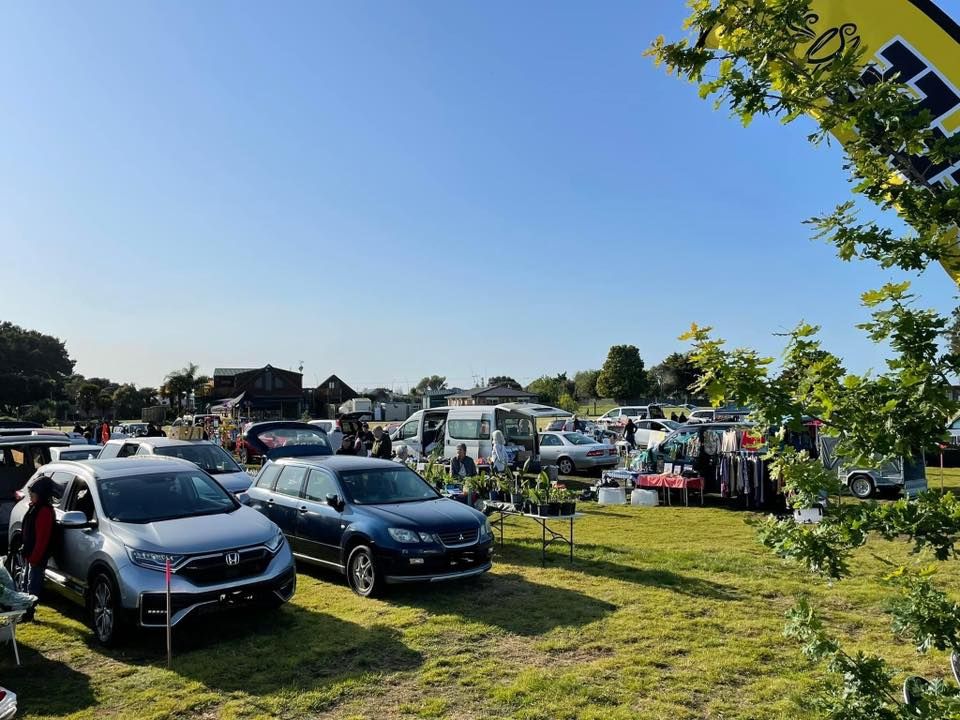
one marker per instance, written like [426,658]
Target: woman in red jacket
[38,526]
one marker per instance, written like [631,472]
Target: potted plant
[568,503]
[553,500]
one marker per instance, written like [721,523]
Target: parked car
[8,704]
[620,415]
[202,453]
[647,428]
[122,520]
[444,428]
[725,414]
[20,457]
[376,521]
[573,451]
[259,438]
[74,452]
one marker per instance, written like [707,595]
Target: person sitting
[463,466]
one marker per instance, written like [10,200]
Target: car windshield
[578,439]
[670,424]
[80,454]
[383,486]
[163,496]
[285,437]
[212,458]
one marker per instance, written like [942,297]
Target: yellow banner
[913,40]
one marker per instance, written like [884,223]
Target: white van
[471,425]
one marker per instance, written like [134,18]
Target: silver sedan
[572,451]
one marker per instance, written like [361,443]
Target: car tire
[565,466]
[362,574]
[17,565]
[861,486]
[106,613]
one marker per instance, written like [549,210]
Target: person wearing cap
[37,533]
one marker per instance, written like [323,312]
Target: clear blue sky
[390,189]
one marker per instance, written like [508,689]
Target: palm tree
[180,383]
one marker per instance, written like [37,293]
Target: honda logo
[233,558]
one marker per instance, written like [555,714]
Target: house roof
[500,391]
[230,372]
[334,378]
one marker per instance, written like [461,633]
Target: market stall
[548,534]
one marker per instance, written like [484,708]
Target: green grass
[666,613]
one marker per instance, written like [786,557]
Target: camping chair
[8,630]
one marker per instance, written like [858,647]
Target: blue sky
[390,189]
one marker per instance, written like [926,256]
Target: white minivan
[471,425]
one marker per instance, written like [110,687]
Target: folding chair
[8,629]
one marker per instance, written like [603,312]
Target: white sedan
[572,451]
[8,704]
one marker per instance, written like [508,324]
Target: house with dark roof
[332,391]
[494,395]
[259,393]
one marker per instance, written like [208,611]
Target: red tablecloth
[670,481]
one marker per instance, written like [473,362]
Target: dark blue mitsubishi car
[376,521]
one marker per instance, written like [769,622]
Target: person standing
[104,433]
[382,447]
[499,459]
[77,429]
[630,433]
[578,425]
[37,533]
[348,445]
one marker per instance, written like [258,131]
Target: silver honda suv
[121,521]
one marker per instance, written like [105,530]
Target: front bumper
[435,563]
[144,591]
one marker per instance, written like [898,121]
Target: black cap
[43,486]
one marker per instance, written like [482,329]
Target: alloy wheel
[861,487]
[103,610]
[566,467]
[363,572]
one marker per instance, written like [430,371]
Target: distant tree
[674,376]
[430,383]
[379,395]
[102,383]
[104,402]
[87,397]
[585,385]
[622,376]
[504,380]
[149,396]
[180,383]
[33,366]
[566,402]
[953,332]
[127,401]
[549,389]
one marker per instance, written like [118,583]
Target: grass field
[666,613]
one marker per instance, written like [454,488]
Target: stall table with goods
[666,481]
[500,511]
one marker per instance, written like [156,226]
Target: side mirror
[334,501]
[75,519]
[243,498]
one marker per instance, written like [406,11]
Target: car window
[155,497]
[60,482]
[109,450]
[578,439]
[291,480]
[319,485]
[469,429]
[549,441]
[386,486]
[128,449]
[212,458]
[80,499]
[268,476]
[85,454]
[409,430]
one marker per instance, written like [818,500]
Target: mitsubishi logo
[461,536]
[233,558]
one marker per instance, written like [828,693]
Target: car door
[319,527]
[550,448]
[283,505]
[78,545]
[61,484]
[410,436]
[642,436]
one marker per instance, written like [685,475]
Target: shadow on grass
[254,650]
[510,602]
[588,560]
[45,687]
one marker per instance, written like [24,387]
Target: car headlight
[276,542]
[402,535]
[153,560]
[485,529]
